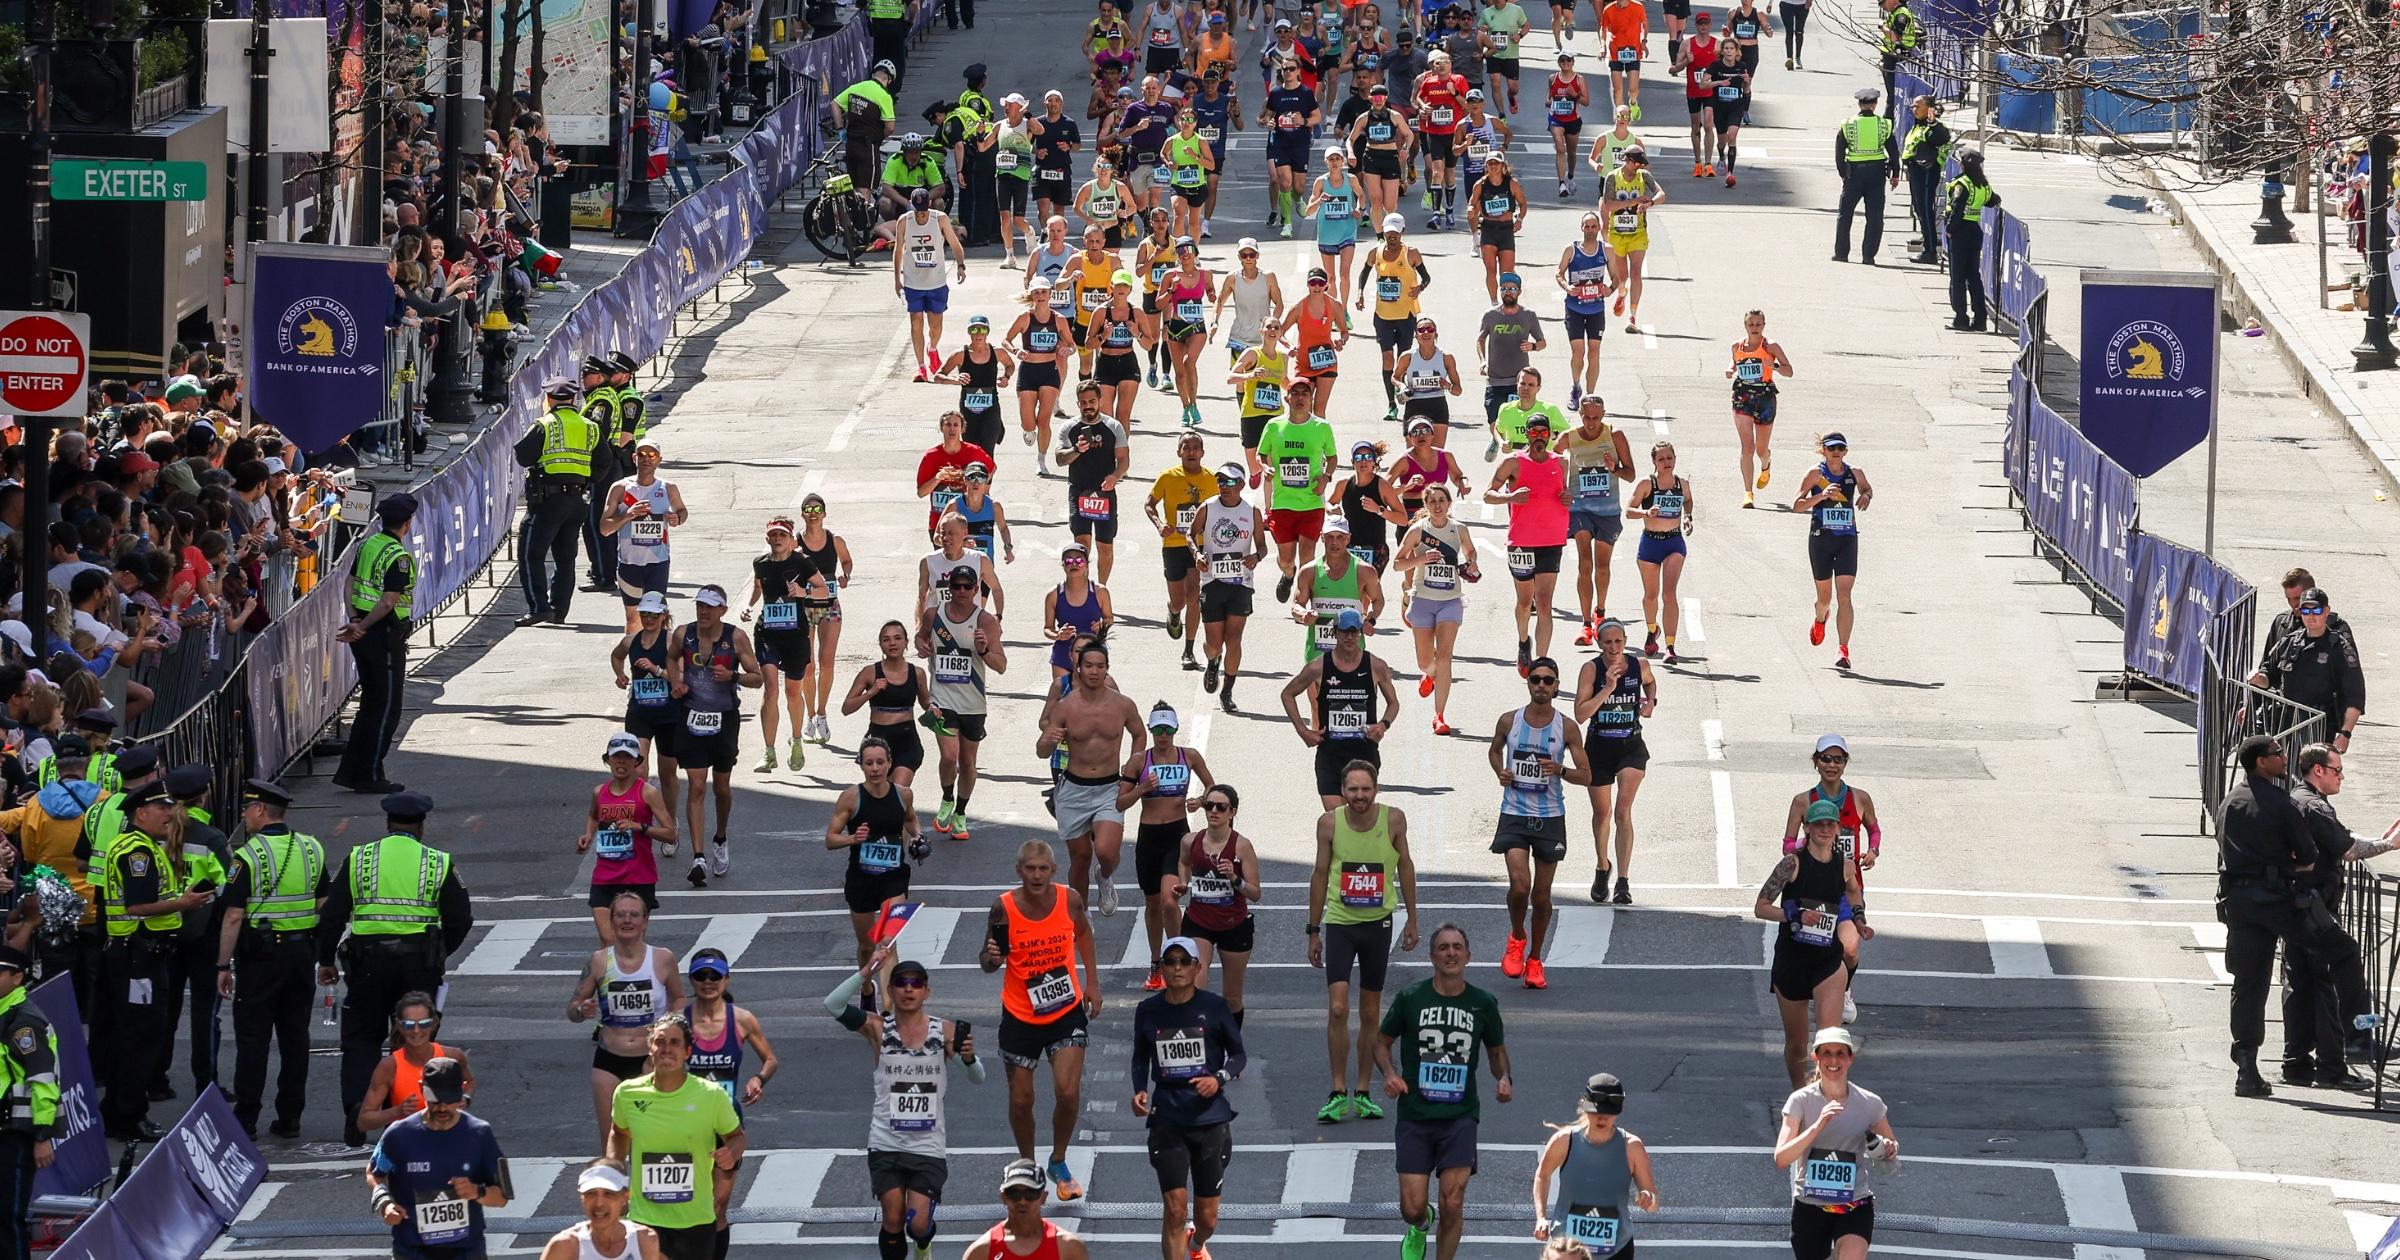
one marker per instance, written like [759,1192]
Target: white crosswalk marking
[1581,937]
[502,949]
[1317,1175]
[2211,938]
[2017,948]
[929,932]
[1694,630]
[786,1179]
[2095,1199]
[731,933]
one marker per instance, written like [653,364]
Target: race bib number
[780,614]
[1526,769]
[1172,779]
[978,400]
[1364,555]
[1591,480]
[442,1218]
[613,844]
[1668,504]
[1161,174]
[1322,632]
[879,857]
[1441,577]
[923,256]
[1728,92]
[1840,518]
[1004,160]
[1182,1053]
[1815,924]
[1051,992]
[1188,310]
[1041,340]
[1095,507]
[1379,133]
[1211,134]
[1520,563]
[1499,207]
[667,1178]
[1830,1175]
[953,667]
[1162,38]
[1290,120]
[1190,177]
[1227,567]
[1293,473]
[1212,888]
[1183,518]
[1625,221]
[1094,299]
[1362,885]
[649,691]
[1061,303]
[1750,371]
[1562,107]
[1439,1082]
[1443,115]
[1346,723]
[1584,284]
[704,721]
[1479,153]
[1424,384]
[1595,1226]
[1104,205]
[649,531]
[915,1107]
[1387,288]
[1320,358]
[1266,396]
[1745,29]
[629,1001]
[1629,56]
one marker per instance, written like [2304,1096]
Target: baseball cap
[1835,440]
[652,602]
[1231,472]
[1822,811]
[137,462]
[1348,618]
[1023,1174]
[1190,948]
[14,960]
[1335,525]
[183,388]
[1418,424]
[1247,245]
[623,742]
[1510,278]
[1123,277]
[983,322]
[1603,1094]
[2315,598]
[1394,223]
[1830,740]
[275,464]
[444,1081]
[1835,1036]
[600,1177]
[1333,151]
[1864,95]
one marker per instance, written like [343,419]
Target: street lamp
[637,215]
[2272,226]
[447,399]
[2375,352]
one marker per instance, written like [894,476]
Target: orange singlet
[408,1078]
[1312,342]
[1041,984]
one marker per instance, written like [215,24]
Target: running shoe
[1650,644]
[1287,230]
[1175,629]
[1816,634]
[824,730]
[1764,473]
[1283,589]
[1575,396]
[1512,962]
[1698,170]
[1619,308]
[1562,188]
[720,858]
[1600,887]
[1842,661]
[1637,111]
[799,754]
[767,765]
[1412,1243]
[1335,1110]
[1063,1183]
[1365,1105]
[699,871]
[1787,63]
[1672,658]
[1208,677]
[1749,500]
[1189,664]
[1441,727]
[1491,450]
[933,361]
[943,817]
[1729,179]
[1108,897]
[1425,686]
[1524,657]
[1624,895]
[1535,977]
[925,1250]
[1429,198]
[1191,416]
[1849,1009]
[1207,230]
[958,827]
[1157,980]
[1391,415]
[1026,434]
[1225,698]
[922,377]
[1587,636]
[1150,378]
[1633,326]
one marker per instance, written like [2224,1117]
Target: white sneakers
[1108,896]
[720,858]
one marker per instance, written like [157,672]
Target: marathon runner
[1608,148]
[893,688]
[1756,360]
[1095,451]
[874,823]
[963,643]
[430,1214]
[821,602]
[1424,464]
[1153,257]
[907,1132]
[1833,494]
[1110,208]
[640,510]
[666,1125]
[1598,457]
[1219,114]
[1337,582]
[1299,450]
[1613,695]
[1160,775]
[1363,871]
[1220,871]
[1096,723]
[1024,1235]
[722,1034]
[952,553]
[396,1090]
[780,578]
[1116,332]
[1257,299]
[627,986]
[1442,1025]
[1261,377]
[926,236]
[1504,342]
[1399,276]
[1231,538]
[1187,291]
[1813,894]
[1496,209]
[1480,135]
[1625,29]
[981,371]
[1038,932]
[1175,498]
[1191,163]
[1381,136]
[1439,95]
[1091,275]
[1857,819]
[941,470]
[603,1233]
[1534,750]
[1440,552]
[1343,685]
[1426,377]
[713,661]
[1627,195]
[1795,31]
[986,522]
[1533,486]
[1187,1050]
[1600,1170]
[1320,332]
[1291,113]
[1013,163]
[1729,80]
[1833,1130]
[1075,608]
[1566,98]
[1698,57]
[1370,503]
[1745,22]
[627,816]
[1508,425]
[1583,277]
[1662,502]
[1041,338]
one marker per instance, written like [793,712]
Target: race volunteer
[382,579]
[907,1135]
[1833,1131]
[1187,1048]
[1038,932]
[1600,1170]
[665,1126]
[1442,1026]
[1363,870]
[432,1216]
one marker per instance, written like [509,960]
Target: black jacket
[2331,839]
[2322,673]
[2261,837]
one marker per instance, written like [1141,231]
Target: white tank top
[1225,537]
[1249,308]
[937,573]
[586,1249]
[921,248]
[632,999]
[640,540]
[1439,580]
[909,1089]
[1424,375]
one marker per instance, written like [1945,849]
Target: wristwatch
[1312,929]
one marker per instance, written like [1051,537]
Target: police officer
[106,821]
[2262,844]
[1868,160]
[274,887]
[1965,197]
[383,582]
[560,451]
[29,1112]
[1923,156]
[888,25]
[608,464]
[1900,33]
[2319,668]
[967,130]
[98,727]
[2325,992]
[145,901]
[633,412]
[199,852]
[406,910]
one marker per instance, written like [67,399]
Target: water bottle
[328,1021]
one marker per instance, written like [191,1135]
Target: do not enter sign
[45,359]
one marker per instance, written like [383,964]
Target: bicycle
[838,220]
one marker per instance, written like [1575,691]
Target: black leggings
[1795,28]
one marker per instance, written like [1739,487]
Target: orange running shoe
[1816,634]
[1535,977]
[1512,963]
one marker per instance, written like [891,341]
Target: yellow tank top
[1274,369]
[1395,276]
[1161,261]
[1091,283]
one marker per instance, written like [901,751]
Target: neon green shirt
[1510,424]
[1296,452]
[1507,23]
[674,1138]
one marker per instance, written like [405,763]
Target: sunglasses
[1316,284]
[2307,611]
[964,586]
[1833,759]
[1021,1195]
[908,982]
[707,977]
[1216,807]
[1542,680]
[812,511]
[1072,562]
[1178,962]
[413,1025]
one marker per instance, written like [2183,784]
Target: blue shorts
[1656,547]
[1604,527]
[637,580]
[1333,249]
[927,301]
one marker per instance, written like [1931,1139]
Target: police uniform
[560,477]
[192,963]
[273,887]
[2324,978]
[103,823]
[1900,32]
[383,567]
[2321,672]
[2261,844]
[609,463]
[1865,155]
[887,28]
[405,910]
[136,871]
[1965,200]
[29,1114]
[628,424]
[1921,159]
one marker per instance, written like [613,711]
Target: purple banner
[2008,274]
[2149,365]
[314,336]
[181,1196]
[79,1154]
[2176,593]
[2085,505]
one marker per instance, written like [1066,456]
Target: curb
[2319,382]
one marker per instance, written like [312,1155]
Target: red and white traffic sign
[45,360]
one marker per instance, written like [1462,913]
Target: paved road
[2042,1007]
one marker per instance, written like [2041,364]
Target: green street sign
[91,179]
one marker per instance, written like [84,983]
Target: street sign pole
[41,31]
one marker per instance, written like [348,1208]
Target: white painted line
[503,949]
[1137,945]
[731,933]
[1489,511]
[2017,948]
[1202,721]
[1317,1175]
[2095,1199]
[715,895]
[1658,421]
[839,968]
[839,440]
[929,932]
[531,1179]
[2211,938]
[813,483]
[259,1202]
[1649,331]
[743,1238]
[1720,793]
[2366,1228]
[1712,734]
[1766,945]
[1694,630]
[1580,937]
[786,1179]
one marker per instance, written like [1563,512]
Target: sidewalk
[2277,284]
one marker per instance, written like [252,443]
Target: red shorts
[1289,525]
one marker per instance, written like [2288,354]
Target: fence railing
[2370,913]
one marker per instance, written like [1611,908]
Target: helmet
[913,140]
[885,67]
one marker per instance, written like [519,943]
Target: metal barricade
[2370,913]
[2232,710]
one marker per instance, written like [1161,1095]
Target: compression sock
[1237,1017]
[1729,151]
[1674,43]
[891,1246]
[724,1243]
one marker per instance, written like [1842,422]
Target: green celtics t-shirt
[1440,1040]
[1295,452]
[675,1138]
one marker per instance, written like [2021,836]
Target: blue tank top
[1082,618]
[1337,215]
[1535,794]
[1840,517]
[1214,118]
[1595,1187]
[981,523]
[1586,270]
[1620,713]
[720,1065]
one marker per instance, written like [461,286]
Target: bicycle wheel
[821,222]
[856,223]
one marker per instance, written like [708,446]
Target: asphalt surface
[2042,1008]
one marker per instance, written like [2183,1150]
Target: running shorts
[1367,944]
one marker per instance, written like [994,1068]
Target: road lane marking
[1694,630]
[1658,421]
[786,1179]
[731,933]
[1317,1175]
[1720,793]
[839,440]
[502,950]
[930,930]
[2095,1199]
[1580,938]
[2017,948]
[2211,938]
[713,894]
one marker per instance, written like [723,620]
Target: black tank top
[827,562]
[882,855]
[1497,201]
[1367,526]
[648,691]
[1346,698]
[1620,714]
[1817,886]
[982,378]
[1041,333]
[898,697]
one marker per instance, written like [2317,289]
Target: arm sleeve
[458,913]
[838,1002]
[1237,1057]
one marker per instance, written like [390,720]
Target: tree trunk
[538,68]
[503,89]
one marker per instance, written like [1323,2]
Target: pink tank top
[1541,520]
[625,855]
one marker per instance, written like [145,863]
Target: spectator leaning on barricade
[2317,666]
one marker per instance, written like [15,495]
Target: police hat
[407,806]
[189,783]
[619,361]
[266,792]
[1866,96]
[396,508]
[137,761]
[563,389]
[96,720]
[14,960]
[70,747]
[152,795]
[595,363]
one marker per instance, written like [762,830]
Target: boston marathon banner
[79,1154]
[182,1195]
[2074,496]
[2149,365]
[2176,592]
[314,338]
